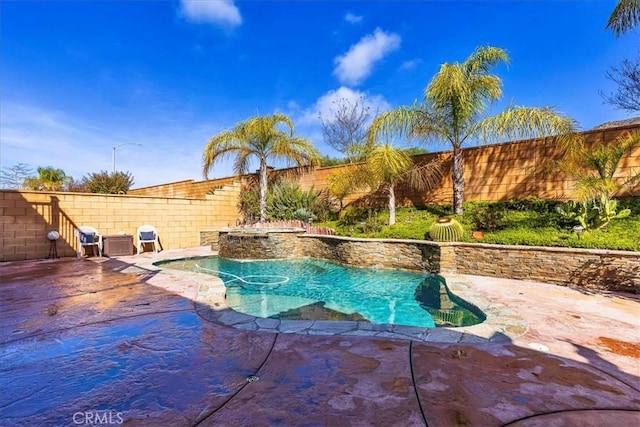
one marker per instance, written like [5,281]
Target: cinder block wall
[492,172]
[189,189]
[505,171]
[26,217]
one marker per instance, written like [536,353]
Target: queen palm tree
[390,166]
[384,168]
[624,17]
[453,112]
[259,137]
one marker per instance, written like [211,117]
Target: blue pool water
[315,289]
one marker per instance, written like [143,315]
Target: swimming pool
[311,289]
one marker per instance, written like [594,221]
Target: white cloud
[354,66]
[326,104]
[410,65]
[220,12]
[308,123]
[352,18]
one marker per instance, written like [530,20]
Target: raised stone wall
[209,238]
[260,245]
[373,253]
[579,268]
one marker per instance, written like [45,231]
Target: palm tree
[453,112]
[259,137]
[595,167]
[385,167]
[49,179]
[624,17]
[390,166]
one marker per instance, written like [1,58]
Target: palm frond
[483,58]
[388,162]
[624,17]
[220,147]
[398,122]
[594,168]
[424,177]
[350,179]
[242,161]
[526,123]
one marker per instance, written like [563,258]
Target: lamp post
[118,146]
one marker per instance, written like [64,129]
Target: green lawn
[521,222]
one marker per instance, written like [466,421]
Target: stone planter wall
[260,245]
[579,268]
[373,253]
[210,238]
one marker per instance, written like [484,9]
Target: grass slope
[532,222]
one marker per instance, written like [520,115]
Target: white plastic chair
[88,236]
[147,234]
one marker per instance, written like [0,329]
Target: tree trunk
[263,190]
[392,205]
[457,176]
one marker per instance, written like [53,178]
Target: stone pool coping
[502,323]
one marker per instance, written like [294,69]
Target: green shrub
[631,203]
[108,183]
[488,219]
[284,201]
[592,214]
[352,216]
[540,226]
[249,204]
[532,204]
[373,224]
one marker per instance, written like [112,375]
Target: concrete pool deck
[119,341]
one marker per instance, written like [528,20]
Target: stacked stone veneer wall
[579,268]
[26,217]
[492,172]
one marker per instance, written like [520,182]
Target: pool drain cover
[252,378]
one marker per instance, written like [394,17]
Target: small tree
[108,183]
[625,16]
[384,168]
[594,167]
[346,131]
[14,177]
[48,179]
[627,78]
[260,138]
[342,184]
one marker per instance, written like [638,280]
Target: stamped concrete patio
[118,341]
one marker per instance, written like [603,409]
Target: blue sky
[80,77]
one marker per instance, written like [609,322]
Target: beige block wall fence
[492,172]
[27,217]
[183,210]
